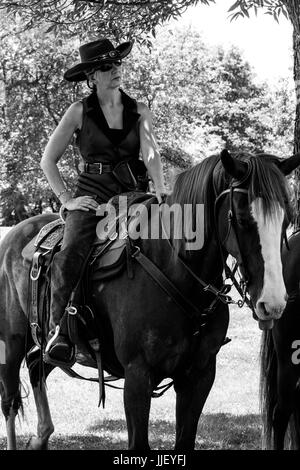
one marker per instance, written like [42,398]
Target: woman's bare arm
[150,151]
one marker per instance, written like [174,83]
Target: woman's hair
[89,74]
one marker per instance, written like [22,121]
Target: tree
[202,99]
[33,100]
[291,10]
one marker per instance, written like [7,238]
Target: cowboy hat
[93,54]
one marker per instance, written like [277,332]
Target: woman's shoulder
[134,104]
[76,108]
[74,113]
[142,108]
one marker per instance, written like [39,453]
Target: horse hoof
[35,443]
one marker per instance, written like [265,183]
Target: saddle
[108,257]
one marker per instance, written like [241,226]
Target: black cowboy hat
[93,54]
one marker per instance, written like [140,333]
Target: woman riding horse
[172,328]
[110,128]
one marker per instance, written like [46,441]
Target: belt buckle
[100,168]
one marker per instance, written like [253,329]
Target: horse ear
[236,168]
[289,164]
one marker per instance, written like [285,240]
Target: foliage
[290,9]
[201,98]
[274,8]
[34,98]
[281,116]
[119,18]
[123,18]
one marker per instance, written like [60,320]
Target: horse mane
[268,183]
[201,183]
[194,186]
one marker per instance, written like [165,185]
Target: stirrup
[33,356]
[56,362]
[57,330]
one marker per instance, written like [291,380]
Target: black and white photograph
[150,229]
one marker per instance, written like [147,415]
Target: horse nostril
[262,308]
[286,297]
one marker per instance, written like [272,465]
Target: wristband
[62,192]
[62,213]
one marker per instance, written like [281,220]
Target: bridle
[220,294]
[242,286]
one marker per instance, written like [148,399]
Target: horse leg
[45,425]
[11,400]
[286,388]
[137,400]
[190,399]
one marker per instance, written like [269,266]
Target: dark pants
[80,232]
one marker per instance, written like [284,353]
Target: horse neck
[206,263]
[204,259]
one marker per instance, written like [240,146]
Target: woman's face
[108,79]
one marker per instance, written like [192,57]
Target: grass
[230,417]
[216,432]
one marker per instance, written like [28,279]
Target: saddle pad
[50,235]
[112,255]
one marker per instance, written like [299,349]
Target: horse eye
[244,223]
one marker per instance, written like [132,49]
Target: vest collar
[130,114]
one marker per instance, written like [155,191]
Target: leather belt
[98,168]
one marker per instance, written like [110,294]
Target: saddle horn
[236,168]
[289,164]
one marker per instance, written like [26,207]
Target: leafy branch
[275,8]
[119,18]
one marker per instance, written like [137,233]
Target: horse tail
[268,386]
[294,424]
[14,402]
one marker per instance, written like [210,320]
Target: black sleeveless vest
[95,145]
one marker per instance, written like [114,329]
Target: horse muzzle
[267,312]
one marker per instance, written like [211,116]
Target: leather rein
[221,294]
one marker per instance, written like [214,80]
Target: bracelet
[62,213]
[62,192]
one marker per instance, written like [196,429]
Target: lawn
[230,419]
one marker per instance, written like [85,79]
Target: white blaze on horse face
[271,302]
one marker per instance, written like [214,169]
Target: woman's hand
[161,195]
[82,203]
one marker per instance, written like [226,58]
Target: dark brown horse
[147,335]
[280,362]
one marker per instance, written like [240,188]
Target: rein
[241,287]
[221,294]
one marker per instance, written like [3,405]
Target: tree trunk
[293,8]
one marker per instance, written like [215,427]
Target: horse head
[252,213]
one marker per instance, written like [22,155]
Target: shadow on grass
[215,431]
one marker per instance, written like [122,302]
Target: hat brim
[77,73]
